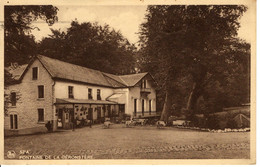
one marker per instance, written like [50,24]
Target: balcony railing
[145,90]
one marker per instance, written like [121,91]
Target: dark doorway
[99,113]
[142,107]
[60,119]
[121,109]
[150,107]
[90,114]
[109,110]
[104,110]
[135,106]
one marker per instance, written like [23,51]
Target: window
[13,121]
[13,98]
[40,115]
[90,94]
[143,83]
[40,91]
[35,73]
[98,94]
[71,92]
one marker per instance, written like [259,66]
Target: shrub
[231,123]
[198,121]
[126,117]
[213,122]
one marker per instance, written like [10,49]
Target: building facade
[49,90]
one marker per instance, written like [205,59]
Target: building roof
[82,101]
[127,80]
[132,79]
[63,70]
[236,108]
[119,98]
[113,80]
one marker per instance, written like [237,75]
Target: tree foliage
[199,45]
[19,43]
[91,45]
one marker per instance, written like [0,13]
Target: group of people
[82,122]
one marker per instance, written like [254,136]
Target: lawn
[119,142]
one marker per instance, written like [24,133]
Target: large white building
[52,90]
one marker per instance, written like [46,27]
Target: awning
[115,96]
[118,98]
[82,101]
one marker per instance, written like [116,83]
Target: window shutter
[11,121]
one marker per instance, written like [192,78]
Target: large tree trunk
[166,108]
[196,92]
[190,97]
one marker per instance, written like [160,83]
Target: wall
[80,90]
[134,93]
[28,102]
[124,98]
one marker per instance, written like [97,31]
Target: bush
[213,122]
[126,117]
[231,123]
[151,121]
[198,121]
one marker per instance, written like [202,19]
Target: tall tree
[19,43]
[91,45]
[193,42]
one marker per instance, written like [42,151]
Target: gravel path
[134,143]
[173,148]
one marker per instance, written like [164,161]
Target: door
[60,119]
[71,117]
[99,113]
[121,109]
[66,121]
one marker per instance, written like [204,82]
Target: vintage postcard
[128,82]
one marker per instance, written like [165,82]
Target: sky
[126,19]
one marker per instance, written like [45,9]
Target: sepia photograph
[128,82]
